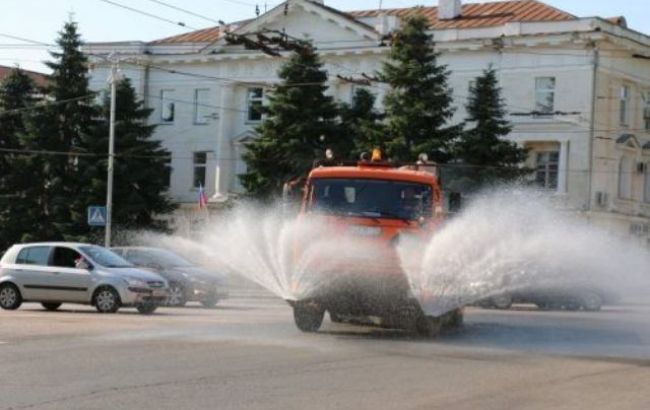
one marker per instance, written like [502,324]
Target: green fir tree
[59,128]
[16,208]
[299,125]
[419,103]
[486,155]
[362,124]
[141,166]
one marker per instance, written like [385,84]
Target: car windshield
[371,198]
[105,257]
[167,259]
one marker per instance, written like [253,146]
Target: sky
[40,20]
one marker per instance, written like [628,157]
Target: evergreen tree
[418,106]
[16,97]
[141,166]
[298,127]
[61,126]
[487,155]
[361,124]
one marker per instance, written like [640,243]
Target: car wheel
[209,302]
[177,297]
[308,316]
[51,305]
[10,297]
[107,300]
[502,301]
[147,308]
[428,326]
[591,301]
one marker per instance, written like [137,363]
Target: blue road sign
[97,215]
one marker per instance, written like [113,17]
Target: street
[247,354]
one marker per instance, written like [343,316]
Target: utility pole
[111,153]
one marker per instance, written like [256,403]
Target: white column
[224,155]
[563,168]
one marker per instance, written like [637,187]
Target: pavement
[247,354]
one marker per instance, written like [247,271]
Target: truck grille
[155,283]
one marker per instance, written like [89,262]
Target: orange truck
[375,205]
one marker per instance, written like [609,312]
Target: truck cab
[373,206]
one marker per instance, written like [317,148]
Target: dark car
[187,281]
[574,297]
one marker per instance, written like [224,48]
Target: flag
[203,200]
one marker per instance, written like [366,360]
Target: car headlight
[136,283]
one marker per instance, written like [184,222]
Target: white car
[61,272]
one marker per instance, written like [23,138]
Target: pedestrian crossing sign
[97,215]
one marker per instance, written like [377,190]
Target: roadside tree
[299,125]
[484,154]
[418,105]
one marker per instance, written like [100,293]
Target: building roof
[206,35]
[473,15]
[40,79]
[477,15]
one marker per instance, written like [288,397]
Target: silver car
[61,272]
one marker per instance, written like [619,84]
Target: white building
[578,90]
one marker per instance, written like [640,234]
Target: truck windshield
[371,198]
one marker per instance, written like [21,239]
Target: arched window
[625,178]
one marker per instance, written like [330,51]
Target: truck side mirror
[455,202]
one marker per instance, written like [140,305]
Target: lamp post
[114,78]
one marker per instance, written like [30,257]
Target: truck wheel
[335,318]
[10,298]
[502,302]
[308,317]
[428,326]
[591,301]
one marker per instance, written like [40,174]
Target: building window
[625,178]
[547,169]
[200,165]
[646,189]
[202,109]
[624,105]
[167,106]
[254,103]
[545,95]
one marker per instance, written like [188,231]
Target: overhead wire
[144,13]
[188,12]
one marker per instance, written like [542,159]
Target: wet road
[246,354]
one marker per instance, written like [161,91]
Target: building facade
[577,91]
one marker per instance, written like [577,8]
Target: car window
[105,257]
[138,258]
[35,255]
[65,257]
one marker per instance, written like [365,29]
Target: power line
[46,104]
[191,13]
[144,13]
[26,40]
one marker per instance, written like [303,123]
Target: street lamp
[113,79]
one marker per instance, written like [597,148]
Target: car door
[32,272]
[70,283]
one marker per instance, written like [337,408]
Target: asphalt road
[246,354]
